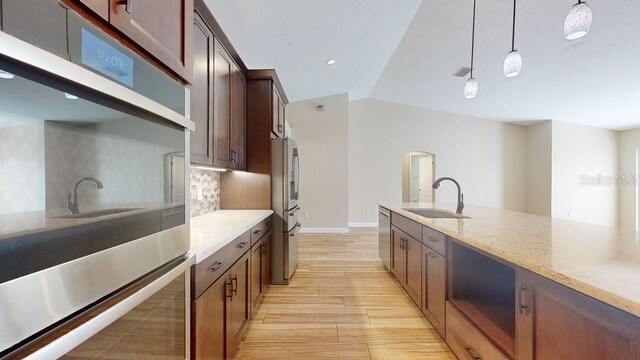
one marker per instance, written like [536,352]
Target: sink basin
[97,213]
[437,214]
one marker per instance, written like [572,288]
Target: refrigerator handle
[297,191]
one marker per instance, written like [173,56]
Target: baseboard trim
[324,230]
[363,225]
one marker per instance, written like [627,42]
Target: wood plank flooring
[341,304]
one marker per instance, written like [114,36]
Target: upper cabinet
[162,30]
[218,103]
[277,125]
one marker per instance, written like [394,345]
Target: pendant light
[471,87]
[513,61]
[578,21]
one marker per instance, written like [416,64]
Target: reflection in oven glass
[154,329]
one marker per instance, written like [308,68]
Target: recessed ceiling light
[6,75]
[70,96]
[330,62]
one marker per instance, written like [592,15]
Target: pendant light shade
[578,21]
[471,88]
[512,64]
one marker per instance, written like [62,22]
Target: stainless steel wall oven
[94,233]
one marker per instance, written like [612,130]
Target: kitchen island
[515,285]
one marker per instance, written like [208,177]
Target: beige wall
[538,169]
[486,157]
[578,151]
[322,138]
[628,145]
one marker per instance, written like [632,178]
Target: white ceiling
[593,81]
[296,37]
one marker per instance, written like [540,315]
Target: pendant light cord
[513,33]
[473,36]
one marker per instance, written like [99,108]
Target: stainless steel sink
[97,213]
[437,214]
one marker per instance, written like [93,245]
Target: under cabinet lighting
[210,168]
[6,75]
[70,96]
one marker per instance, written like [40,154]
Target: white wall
[628,145]
[538,169]
[578,151]
[322,138]
[486,157]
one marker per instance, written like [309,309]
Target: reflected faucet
[72,199]
[460,207]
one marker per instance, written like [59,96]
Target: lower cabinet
[260,269]
[208,323]
[406,262]
[238,303]
[434,288]
[466,341]
[554,322]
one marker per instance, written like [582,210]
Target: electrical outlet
[306,215]
[368,210]
[200,194]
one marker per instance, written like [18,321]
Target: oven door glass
[80,173]
[155,329]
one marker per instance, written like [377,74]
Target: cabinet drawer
[408,226]
[433,239]
[210,269]
[258,231]
[466,341]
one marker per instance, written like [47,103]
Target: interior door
[425,172]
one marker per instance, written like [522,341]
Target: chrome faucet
[72,199]
[460,207]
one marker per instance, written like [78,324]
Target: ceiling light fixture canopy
[471,87]
[513,62]
[578,21]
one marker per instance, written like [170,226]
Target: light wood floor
[341,304]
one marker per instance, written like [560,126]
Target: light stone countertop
[599,261]
[211,232]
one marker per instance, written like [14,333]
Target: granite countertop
[34,222]
[211,232]
[599,261]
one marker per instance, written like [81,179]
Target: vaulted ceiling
[407,51]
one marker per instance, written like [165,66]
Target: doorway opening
[418,174]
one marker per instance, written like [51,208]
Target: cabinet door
[163,30]
[222,107]
[239,304]
[202,94]
[554,322]
[238,119]
[100,7]
[434,288]
[397,254]
[256,273]
[275,120]
[413,279]
[281,119]
[266,262]
[208,314]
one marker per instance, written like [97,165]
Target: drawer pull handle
[432,255]
[433,240]
[257,232]
[522,306]
[472,353]
[127,5]
[242,245]
[234,285]
[217,265]
[269,224]
[229,284]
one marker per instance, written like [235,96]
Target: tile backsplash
[209,181]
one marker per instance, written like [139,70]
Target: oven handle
[84,332]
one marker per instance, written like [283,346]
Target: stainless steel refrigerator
[285,192]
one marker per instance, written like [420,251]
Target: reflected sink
[97,213]
[437,214]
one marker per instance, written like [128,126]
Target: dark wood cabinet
[162,30]
[555,322]
[256,273]
[222,72]
[434,288]
[266,262]
[208,328]
[100,7]
[202,93]
[238,303]
[397,253]
[277,124]
[238,120]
